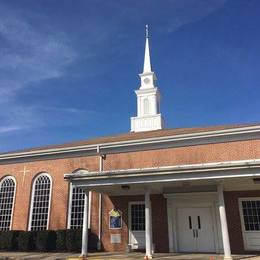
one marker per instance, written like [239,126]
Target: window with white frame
[7,193]
[251,214]
[76,212]
[137,217]
[40,202]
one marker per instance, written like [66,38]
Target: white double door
[195,230]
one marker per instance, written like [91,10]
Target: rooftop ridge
[128,136]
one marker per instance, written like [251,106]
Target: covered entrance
[196,214]
[195,230]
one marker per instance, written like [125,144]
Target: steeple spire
[147,61]
[148,97]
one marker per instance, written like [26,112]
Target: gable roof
[136,136]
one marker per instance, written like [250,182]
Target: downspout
[101,168]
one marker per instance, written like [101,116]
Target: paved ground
[110,256]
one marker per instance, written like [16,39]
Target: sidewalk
[116,256]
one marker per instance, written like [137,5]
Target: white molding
[69,206]
[211,171]
[14,197]
[191,200]
[156,142]
[130,203]
[207,194]
[242,222]
[32,198]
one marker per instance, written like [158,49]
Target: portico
[195,201]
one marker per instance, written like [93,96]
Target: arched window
[7,193]
[146,106]
[76,208]
[40,202]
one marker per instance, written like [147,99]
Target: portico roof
[208,171]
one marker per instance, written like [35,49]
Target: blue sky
[68,69]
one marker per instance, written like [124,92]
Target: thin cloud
[8,129]
[28,55]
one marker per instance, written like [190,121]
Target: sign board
[115,219]
[115,238]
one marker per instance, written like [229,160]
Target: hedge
[73,240]
[45,240]
[27,240]
[9,240]
[61,240]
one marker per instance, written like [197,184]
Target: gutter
[166,170]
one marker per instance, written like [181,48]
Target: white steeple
[148,97]
[147,60]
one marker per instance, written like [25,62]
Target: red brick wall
[159,221]
[185,155]
[233,217]
[58,167]
[60,188]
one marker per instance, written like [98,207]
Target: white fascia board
[232,169]
[109,147]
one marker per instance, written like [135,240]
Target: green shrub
[61,240]
[46,240]
[9,240]
[73,240]
[26,240]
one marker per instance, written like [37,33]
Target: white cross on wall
[24,171]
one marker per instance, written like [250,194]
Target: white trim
[32,199]
[69,206]
[130,203]
[89,208]
[191,200]
[242,222]
[14,197]
[208,171]
[136,142]
[177,168]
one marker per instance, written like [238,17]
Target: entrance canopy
[203,177]
[162,178]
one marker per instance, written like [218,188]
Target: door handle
[197,232]
[194,233]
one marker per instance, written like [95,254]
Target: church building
[151,189]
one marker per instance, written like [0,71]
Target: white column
[84,248]
[148,226]
[223,222]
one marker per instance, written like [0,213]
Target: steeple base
[146,123]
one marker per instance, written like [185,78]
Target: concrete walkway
[116,256]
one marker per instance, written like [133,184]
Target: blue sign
[115,219]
